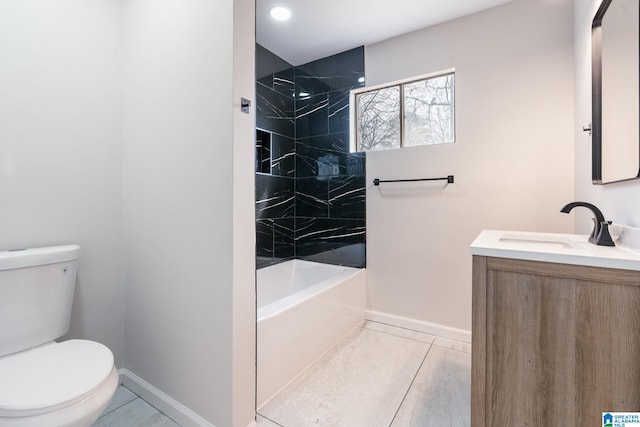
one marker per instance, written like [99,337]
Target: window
[413,112]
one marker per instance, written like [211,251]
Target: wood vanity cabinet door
[553,345]
[530,350]
[607,350]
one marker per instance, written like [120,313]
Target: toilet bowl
[44,383]
[57,384]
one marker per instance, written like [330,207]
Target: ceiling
[321,28]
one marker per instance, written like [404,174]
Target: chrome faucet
[600,234]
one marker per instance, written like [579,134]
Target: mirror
[615,92]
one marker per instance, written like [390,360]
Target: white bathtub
[304,309]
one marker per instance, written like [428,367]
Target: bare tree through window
[420,112]
[379,119]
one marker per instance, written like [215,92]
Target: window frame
[354,134]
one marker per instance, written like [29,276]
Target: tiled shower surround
[310,191]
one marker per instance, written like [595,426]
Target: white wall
[122,118]
[620,202]
[181,274]
[60,132]
[512,160]
[244,232]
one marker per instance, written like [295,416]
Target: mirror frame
[596,98]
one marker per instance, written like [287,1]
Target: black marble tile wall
[311,203]
[274,197]
[275,220]
[274,111]
[336,197]
[283,156]
[330,181]
[274,72]
[320,155]
[312,115]
[338,72]
[283,235]
[338,112]
[319,237]
[275,162]
[347,197]
[312,197]
[264,238]
[274,238]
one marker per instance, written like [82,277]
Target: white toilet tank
[36,294]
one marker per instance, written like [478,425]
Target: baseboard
[163,402]
[419,325]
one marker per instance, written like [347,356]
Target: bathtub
[304,309]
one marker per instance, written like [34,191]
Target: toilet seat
[52,376]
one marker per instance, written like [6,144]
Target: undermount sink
[540,241]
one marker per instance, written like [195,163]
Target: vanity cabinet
[553,344]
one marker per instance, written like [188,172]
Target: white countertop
[553,247]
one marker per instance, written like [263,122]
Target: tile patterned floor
[378,376]
[128,410]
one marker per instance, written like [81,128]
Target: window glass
[405,114]
[378,119]
[428,111]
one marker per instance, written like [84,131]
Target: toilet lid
[52,374]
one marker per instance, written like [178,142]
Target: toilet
[44,383]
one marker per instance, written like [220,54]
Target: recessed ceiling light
[280,13]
